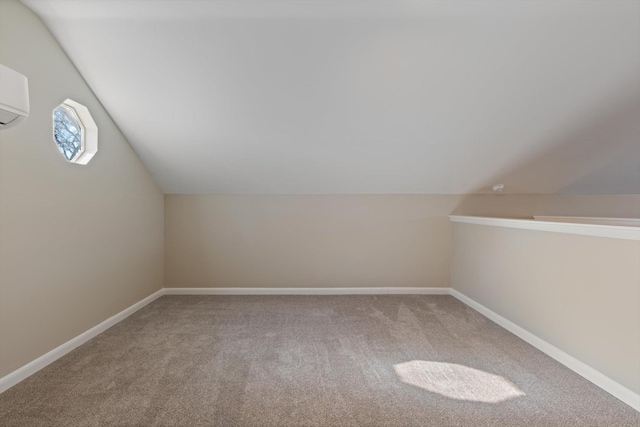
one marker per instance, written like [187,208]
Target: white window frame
[88,132]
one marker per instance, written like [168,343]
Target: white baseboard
[598,378]
[34,366]
[306,291]
[614,388]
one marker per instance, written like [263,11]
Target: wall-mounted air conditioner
[14,97]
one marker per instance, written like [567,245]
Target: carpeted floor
[309,361]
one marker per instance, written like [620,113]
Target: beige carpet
[309,361]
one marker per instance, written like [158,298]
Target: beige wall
[307,241]
[579,293]
[338,240]
[78,244]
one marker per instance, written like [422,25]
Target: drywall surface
[307,241]
[344,97]
[579,293]
[338,240]
[78,244]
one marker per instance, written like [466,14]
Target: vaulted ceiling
[366,96]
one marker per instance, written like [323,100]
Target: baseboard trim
[306,291]
[614,388]
[598,378]
[34,366]
[41,362]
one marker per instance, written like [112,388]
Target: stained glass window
[67,132]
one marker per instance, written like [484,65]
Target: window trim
[88,132]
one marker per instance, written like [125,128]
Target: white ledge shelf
[597,230]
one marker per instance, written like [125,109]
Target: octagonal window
[74,132]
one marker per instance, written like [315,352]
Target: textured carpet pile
[309,361]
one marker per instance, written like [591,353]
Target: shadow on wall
[457,382]
[600,158]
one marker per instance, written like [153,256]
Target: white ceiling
[366,96]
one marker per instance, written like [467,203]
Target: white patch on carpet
[457,381]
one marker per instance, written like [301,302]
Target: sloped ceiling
[366,96]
